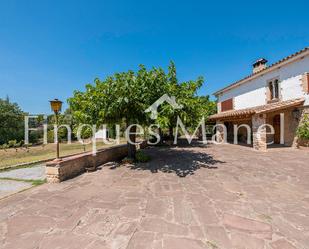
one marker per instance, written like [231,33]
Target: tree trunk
[132,147]
[170,132]
[161,136]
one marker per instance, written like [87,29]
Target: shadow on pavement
[180,160]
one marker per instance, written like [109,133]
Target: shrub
[5,146]
[19,144]
[34,136]
[142,157]
[303,129]
[50,136]
[12,143]
[127,160]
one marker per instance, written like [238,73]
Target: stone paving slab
[223,196]
[28,173]
[8,187]
[11,186]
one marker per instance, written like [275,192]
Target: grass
[33,182]
[11,157]
[265,217]
[212,244]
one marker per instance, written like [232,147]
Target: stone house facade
[275,95]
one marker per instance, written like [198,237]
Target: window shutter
[227,105]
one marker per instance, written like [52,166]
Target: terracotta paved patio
[187,198]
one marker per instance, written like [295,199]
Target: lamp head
[56,105]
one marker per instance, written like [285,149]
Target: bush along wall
[303,131]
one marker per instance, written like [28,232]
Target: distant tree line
[11,122]
[12,126]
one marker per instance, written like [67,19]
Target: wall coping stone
[71,166]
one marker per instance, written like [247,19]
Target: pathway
[204,197]
[16,180]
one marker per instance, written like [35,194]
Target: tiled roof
[258,109]
[261,71]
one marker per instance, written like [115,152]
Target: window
[274,89]
[227,105]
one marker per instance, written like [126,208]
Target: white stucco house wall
[282,86]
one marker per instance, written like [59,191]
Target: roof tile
[258,109]
[261,71]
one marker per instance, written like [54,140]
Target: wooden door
[276,124]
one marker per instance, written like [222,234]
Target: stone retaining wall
[68,167]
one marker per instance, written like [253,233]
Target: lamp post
[56,105]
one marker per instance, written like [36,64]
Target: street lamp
[56,105]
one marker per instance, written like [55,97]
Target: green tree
[194,107]
[64,118]
[11,121]
[122,97]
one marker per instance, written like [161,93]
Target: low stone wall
[68,167]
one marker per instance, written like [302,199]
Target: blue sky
[50,48]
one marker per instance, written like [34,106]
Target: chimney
[259,65]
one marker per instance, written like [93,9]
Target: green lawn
[11,157]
